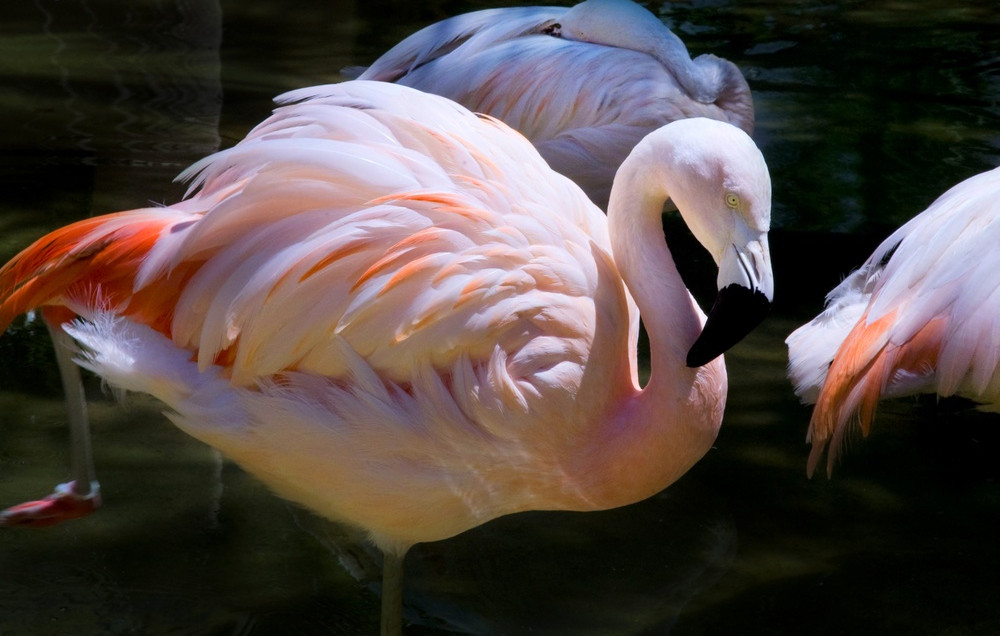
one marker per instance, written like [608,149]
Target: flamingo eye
[554,30]
[732,200]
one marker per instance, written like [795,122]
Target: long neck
[669,314]
[669,50]
[662,430]
[627,25]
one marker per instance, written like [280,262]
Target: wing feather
[467,34]
[921,315]
[347,222]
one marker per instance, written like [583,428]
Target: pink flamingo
[584,84]
[394,313]
[919,316]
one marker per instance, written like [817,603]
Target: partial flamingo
[393,312]
[921,315]
[584,84]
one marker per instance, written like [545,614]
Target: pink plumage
[393,312]
[584,83]
[919,316]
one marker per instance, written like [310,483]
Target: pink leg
[65,503]
[81,496]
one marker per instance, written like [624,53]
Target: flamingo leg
[82,495]
[392,594]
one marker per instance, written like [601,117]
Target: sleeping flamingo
[919,316]
[394,313]
[584,84]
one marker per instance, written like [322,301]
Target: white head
[720,183]
[716,176]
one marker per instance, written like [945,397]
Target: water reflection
[627,571]
[870,98]
[866,111]
[110,87]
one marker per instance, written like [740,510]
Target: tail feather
[863,372]
[88,265]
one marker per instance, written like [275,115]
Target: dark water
[867,110]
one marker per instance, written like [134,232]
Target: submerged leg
[81,496]
[392,593]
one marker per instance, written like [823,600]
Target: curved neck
[627,25]
[734,95]
[671,423]
[669,314]
[648,269]
[670,51]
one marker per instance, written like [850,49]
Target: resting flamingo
[584,84]
[392,312]
[921,315]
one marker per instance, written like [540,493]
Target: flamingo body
[393,312]
[919,316]
[584,84]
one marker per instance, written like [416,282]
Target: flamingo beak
[745,292]
[737,310]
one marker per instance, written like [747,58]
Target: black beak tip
[736,312]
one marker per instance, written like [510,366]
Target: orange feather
[860,374]
[93,262]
